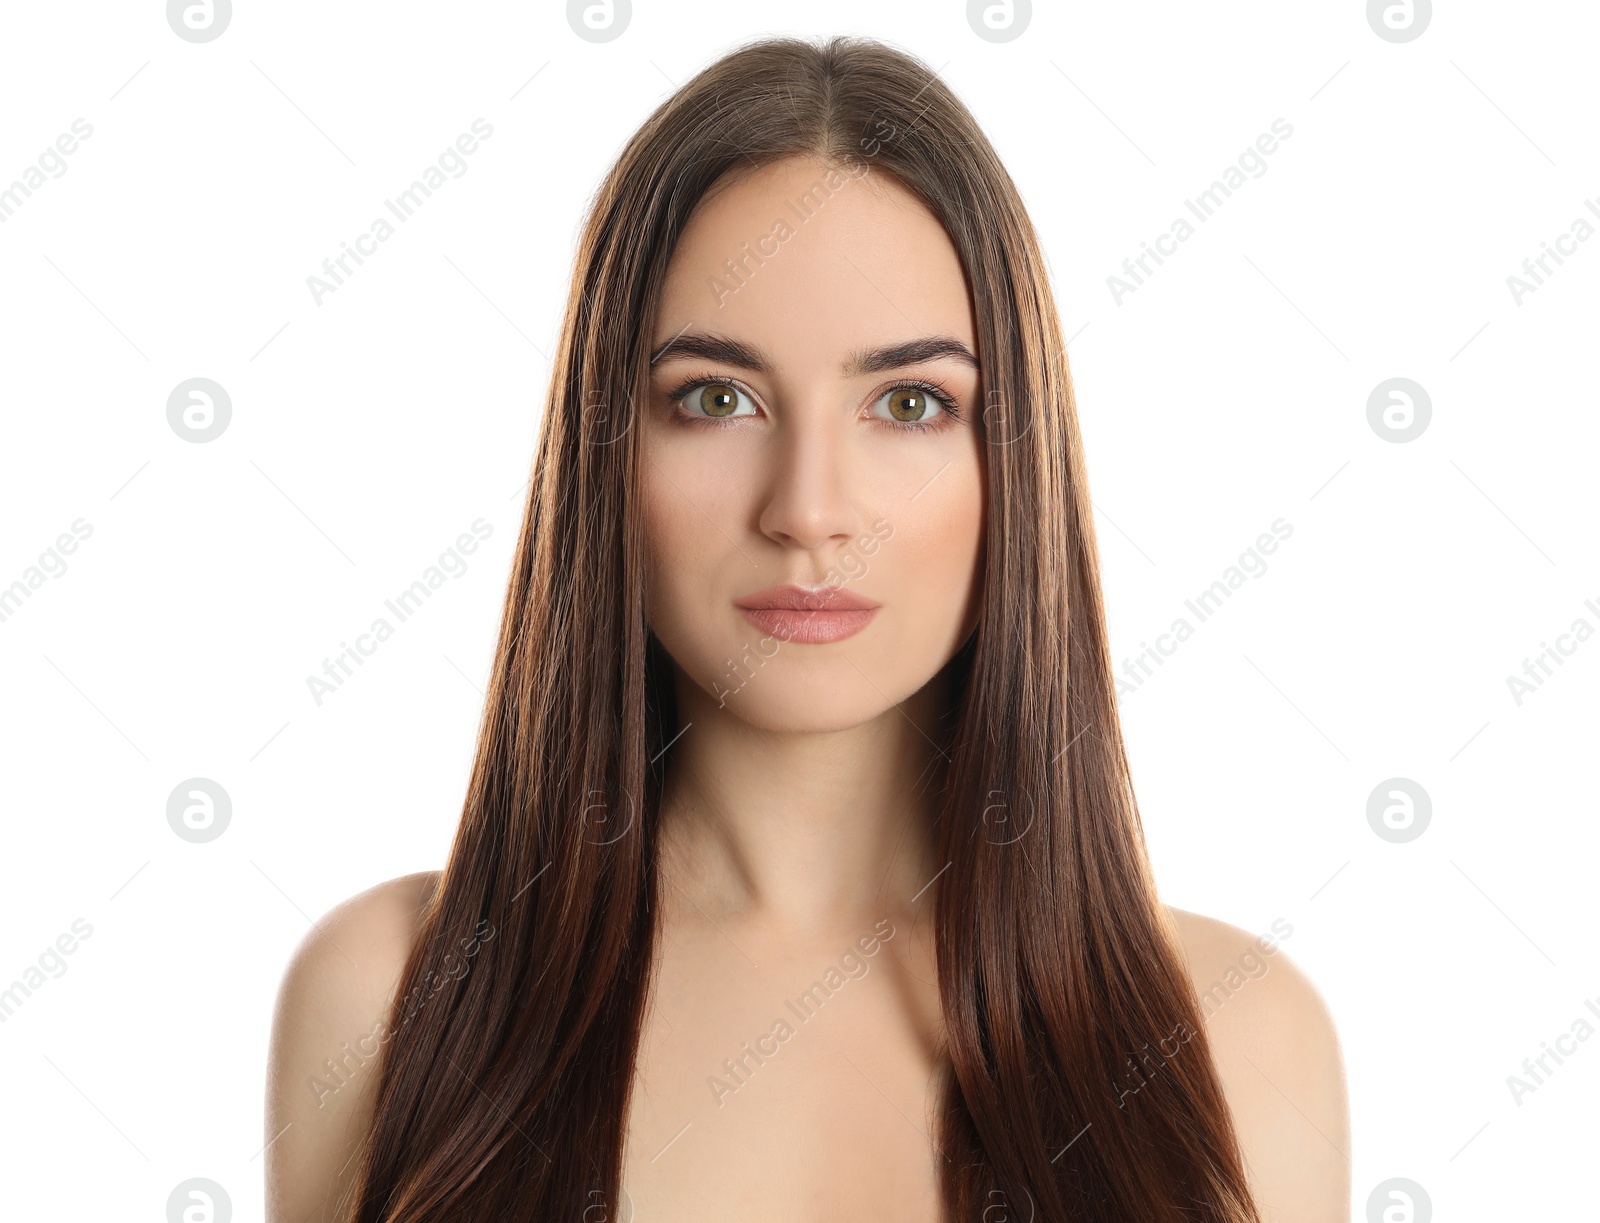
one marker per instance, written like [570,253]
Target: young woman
[800,875]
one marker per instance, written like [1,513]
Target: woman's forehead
[807,262]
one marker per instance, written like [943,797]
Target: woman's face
[813,422]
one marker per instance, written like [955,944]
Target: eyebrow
[729,351]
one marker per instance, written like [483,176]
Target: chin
[813,689]
[817,699]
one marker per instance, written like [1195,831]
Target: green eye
[912,405]
[718,399]
[909,404]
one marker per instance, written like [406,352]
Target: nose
[808,503]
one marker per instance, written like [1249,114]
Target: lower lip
[809,627]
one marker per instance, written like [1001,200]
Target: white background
[371,430]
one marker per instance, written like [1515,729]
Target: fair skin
[795,834]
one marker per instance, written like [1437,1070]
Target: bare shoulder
[1277,1053]
[328,1028]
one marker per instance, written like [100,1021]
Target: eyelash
[950,413]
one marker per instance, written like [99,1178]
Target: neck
[806,831]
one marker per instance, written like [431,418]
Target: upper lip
[790,597]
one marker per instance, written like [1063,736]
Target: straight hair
[1075,1081]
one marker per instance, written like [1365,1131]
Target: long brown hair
[1078,1083]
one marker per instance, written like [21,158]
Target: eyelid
[948,406]
[681,392]
[940,395]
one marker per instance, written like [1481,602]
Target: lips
[790,597]
[812,615]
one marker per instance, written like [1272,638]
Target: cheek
[936,551]
[669,535]
[689,519]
